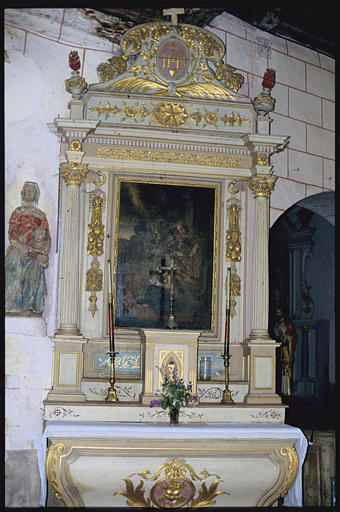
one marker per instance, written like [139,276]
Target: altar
[187,465]
[165,183]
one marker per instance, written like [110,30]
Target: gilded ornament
[234,82]
[132,41]
[52,458]
[262,186]
[75,145]
[171,114]
[76,85]
[176,489]
[233,238]
[94,278]
[289,453]
[95,243]
[74,174]
[168,156]
[234,119]
[263,159]
[235,286]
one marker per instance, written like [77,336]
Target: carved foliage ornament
[262,186]
[95,248]
[233,237]
[73,173]
[174,490]
[170,114]
[164,59]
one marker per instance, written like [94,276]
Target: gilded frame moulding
[214,188]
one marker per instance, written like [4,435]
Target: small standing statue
[285,333]
[27,256]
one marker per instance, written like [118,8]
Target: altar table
[188,465]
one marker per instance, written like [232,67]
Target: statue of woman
[285,333]
[27,255]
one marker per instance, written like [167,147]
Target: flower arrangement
[174,394]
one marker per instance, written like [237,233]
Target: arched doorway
[301,256]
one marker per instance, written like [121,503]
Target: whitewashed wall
[37,44]
[305,106]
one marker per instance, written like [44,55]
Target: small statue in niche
[285,333]
[27,256]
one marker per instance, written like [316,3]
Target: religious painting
[165,255]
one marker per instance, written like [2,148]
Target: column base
[253,398]
[59,396]
[67,332]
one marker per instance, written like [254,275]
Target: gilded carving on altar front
[176,489]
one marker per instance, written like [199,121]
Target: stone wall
[37,44]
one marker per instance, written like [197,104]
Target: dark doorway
[301,256]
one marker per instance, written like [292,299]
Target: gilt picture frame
[159,226]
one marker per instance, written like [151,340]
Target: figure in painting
[285,333]
[27,256]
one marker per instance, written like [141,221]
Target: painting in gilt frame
[160,223]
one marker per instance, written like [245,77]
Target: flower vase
[174,415]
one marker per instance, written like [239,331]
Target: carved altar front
[164,165]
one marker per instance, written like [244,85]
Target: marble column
[261,188]
[74,175]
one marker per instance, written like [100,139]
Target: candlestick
[227,319]
[226,399]
[111,312]
[111,393]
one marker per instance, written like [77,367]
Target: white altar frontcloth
[181,431]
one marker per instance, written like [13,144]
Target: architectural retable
[163,160]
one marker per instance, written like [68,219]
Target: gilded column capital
[262,186]
[73,174]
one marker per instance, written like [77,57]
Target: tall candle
[227,318]
[111,313]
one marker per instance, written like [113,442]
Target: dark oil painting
[162,225]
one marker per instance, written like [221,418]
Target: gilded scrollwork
[169,114]
[168,156]
[175,60]
[176,489]
[52,459]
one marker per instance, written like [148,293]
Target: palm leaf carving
[211,91]
[136,84]
[135,497]
[206,497]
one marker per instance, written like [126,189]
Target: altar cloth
[181,431]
